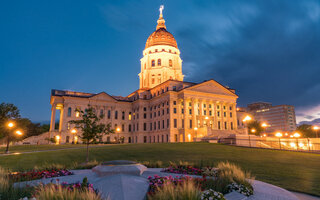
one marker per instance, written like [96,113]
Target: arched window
[69,112]
[170,62]
[159,62]
[153,63]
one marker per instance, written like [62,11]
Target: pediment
[102,97]
[212,87]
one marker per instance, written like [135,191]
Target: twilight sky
[268,50]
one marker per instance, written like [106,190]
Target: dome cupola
[161,36]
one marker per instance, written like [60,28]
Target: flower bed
[35,174]
[180,169]
[189,170]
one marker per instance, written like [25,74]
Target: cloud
[266,50]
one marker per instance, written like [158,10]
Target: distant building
[279,118]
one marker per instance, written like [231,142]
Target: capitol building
[164,108]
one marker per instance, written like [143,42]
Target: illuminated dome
[161,36]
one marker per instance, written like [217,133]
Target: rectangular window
[231,114]
[174,88]
[231,125]
[175,123]
[109,114]
[174,110]
[168,123]
[129,117]
[182,121]
[182,111]
[162,124]
[116,114]
[225,125]
[145,115]
[190,123]
[155,125]
[209,105]
[190,111]
[144,139]
[168,110]
[150,126]
[144,126]
[158,125]
[144,108]
[129,127]
[158,112]
[219,125]
[190,104]
[204,112]
[176,137]
[230,107]
[218,107]
[122,127]
[123,115]
[162,111]
[204,105]
[210,113]
[224,114]
[150,115]
[174,103]
[218,113]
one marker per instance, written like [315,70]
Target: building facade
[279,118]
[163,109]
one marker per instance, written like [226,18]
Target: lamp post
[118,131]
[279,135]
[297,135]
[75,138]
[245,120]
[316,128]
[10,126]
[196,132]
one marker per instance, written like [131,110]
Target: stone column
[215,117]
[53,117]
[61,119]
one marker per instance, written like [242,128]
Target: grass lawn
[291,170]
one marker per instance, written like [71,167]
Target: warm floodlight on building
[195,128]
[315,128]
[247,118]
[253,130]
[58,137]
[73,131]
[278,134]
[206,117]
[189,137]
[264,135]
[118,129]
[264,125]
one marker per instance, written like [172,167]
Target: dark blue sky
[267,50]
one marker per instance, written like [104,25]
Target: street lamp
[279,135]
[18,132]
[296,135]
[253,130]
[118,131]
[10,124]
[196,131]
[316,128]
[75,138]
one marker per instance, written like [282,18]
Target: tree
[8,112]
[90,126]
[306,131]
[254,127]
